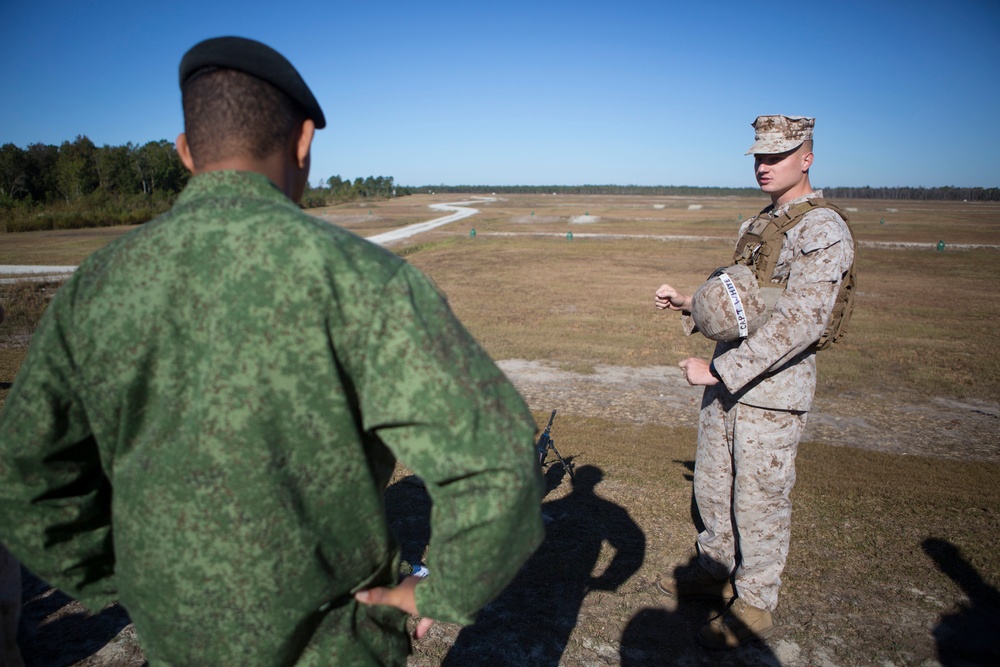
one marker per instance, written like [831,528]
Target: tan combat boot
[694,581]
[739,624]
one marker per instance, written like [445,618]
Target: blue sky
[647,93]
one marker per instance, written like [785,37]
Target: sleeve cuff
[715,372]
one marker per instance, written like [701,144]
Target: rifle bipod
[546,443]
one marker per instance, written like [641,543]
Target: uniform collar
[231,183]
[787,205]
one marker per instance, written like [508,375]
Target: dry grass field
[896,505]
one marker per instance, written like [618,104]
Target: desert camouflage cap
[731,305]
[777,134]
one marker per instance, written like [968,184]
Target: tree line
[649,190]
[78,184]
[42,173]
[336,190]
[947,193]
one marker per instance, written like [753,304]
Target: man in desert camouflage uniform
[212,407]
[758,391]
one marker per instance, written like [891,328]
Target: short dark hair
[228,113]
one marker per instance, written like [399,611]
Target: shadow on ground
[665,636]
[530,623]
[971,635]
[56,631]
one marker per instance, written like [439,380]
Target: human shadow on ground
[661,636]
[531,622]
[71,635]
[970,636]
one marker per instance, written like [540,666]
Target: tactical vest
[760,252]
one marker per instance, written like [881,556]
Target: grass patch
[921,322]
[10,362]
[56,248]
[426,246]
[23,302]
[873,538]
[567,302]
[578,367]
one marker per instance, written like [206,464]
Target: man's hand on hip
[400,597]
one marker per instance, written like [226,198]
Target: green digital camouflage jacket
[208,416]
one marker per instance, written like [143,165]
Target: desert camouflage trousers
[744,473]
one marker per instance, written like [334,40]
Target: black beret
[259,60]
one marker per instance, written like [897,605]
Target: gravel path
[936,427]
[459,211]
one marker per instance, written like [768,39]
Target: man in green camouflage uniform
[758,391]
[212,407]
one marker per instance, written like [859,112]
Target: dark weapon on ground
[546,443]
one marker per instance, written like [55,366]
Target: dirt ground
[57,632]
[907,425]
[586,615]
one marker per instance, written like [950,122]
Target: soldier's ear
[304,142]
[184,152]
[807,161]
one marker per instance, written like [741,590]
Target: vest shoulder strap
[760,251]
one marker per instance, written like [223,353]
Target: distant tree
[76,168]
[13,173]
[115,171]
[339,188]
[159,168]
[41,170]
